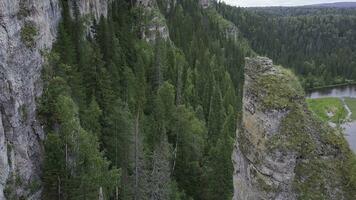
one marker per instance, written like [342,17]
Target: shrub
[28,34]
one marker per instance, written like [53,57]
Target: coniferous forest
[319,44]
[137,118]
[156,119]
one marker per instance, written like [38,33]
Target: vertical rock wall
[20,85]
[282,151]
[26,29]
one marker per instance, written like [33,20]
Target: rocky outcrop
[226,27]
[96,8]
[156,25]
[282,151]
[205,3]
[26,29]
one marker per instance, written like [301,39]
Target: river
[340,92]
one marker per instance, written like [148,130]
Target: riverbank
[344,95]
[351,103]
[330,86]
[328,109]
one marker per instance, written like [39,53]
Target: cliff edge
[282,151]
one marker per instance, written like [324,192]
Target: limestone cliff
[155,24]
[26,29]
[282,151]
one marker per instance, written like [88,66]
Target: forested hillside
[131,115]
[319,44]
[152,99]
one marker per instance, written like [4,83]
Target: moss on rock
[319,161]
[279,89]
[28,34]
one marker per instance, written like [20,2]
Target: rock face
[282,152]
[97,8]
[26,29]
[205,3]
[20,71]
[156,26]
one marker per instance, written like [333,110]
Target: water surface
[340,92]
[350,130]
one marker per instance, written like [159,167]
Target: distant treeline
[319,44]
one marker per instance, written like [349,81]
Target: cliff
[155,25]
[26,29]
[282,151]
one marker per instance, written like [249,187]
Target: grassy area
[351,102]
[328,109]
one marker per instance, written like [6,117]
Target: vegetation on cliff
[135,114]
[142,116]
[324,163]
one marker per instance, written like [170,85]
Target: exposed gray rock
[256,172]
[280,145]
[4,166]
[20,71]
[205,3]
[156,26]
[21,135]
[96,8]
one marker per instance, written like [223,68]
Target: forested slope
[317,43]
[133,111]
[142,99]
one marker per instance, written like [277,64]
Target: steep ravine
[282,150]
[26,29]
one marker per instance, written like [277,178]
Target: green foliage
[303,133]
[328,109]
[314,186]
[349,170]
[189,136]
[74,167]
[90,119]
[317,43]
[24,11]
[34,186]
[163,112]
[220,165]
[274,94]
[295,127]
[118,140]
[73,161]
[24,112]
[28,34]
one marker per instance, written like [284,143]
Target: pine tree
[119,145]
[160,177]
[90,120]
[216,116]
[82,170]
[219,164]
[188,135]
